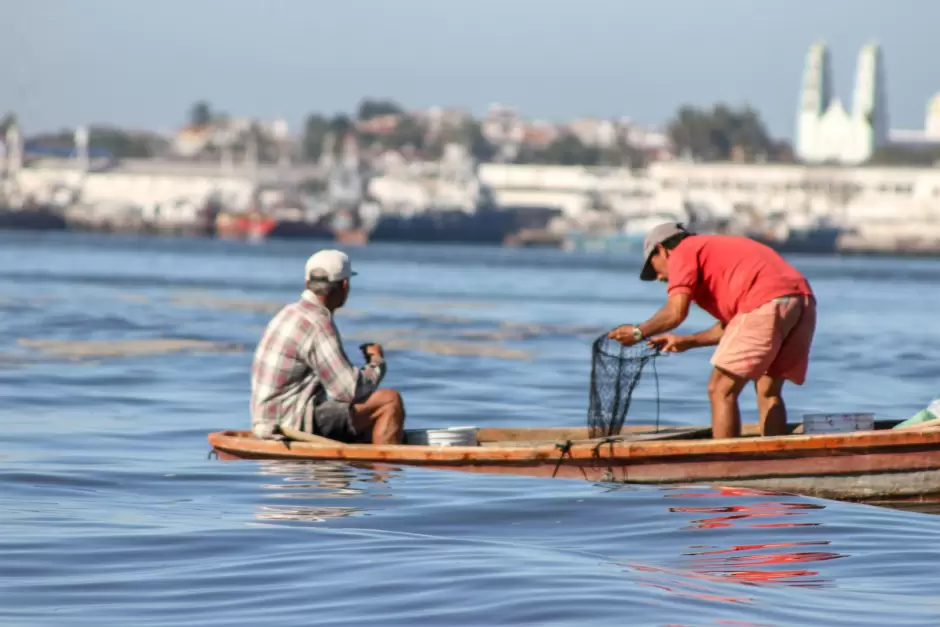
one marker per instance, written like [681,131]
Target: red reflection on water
[737,623]
[742,512]
[723,491]
[681,585]
[730,565]
[692,595]
[748,563]
[751,547]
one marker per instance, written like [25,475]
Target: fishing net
[615,372]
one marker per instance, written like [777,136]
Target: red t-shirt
[726,275]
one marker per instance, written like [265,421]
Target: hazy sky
[143,63]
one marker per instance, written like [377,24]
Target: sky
[142,64]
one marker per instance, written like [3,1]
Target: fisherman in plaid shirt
[301,377]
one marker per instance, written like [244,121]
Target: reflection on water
[742,512]
[736,513]
[719,623]
[681,583]
[742,567]
[697,566]
[316,480]
[701,567]
[742,562]
[922,507]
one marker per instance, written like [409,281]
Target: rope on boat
[596,453]
[212,452]
[656,378]
[565,450]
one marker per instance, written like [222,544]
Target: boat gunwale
[244,443]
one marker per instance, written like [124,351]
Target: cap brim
[648,273]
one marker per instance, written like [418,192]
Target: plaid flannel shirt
[299,363]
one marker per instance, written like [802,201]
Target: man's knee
[769,391]
[724,386]
[389,398]
[768,403]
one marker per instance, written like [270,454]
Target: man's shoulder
[294,318]
[306,310]
[687,250]
[711,249]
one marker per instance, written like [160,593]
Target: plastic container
[838,423]
[451,436]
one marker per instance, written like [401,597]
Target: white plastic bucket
[451,436]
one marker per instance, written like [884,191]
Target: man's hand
[671,343]
[623,334]
[372,350]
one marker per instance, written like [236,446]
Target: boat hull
[299,229]
[40,219]
[881,465]
[818,241]
[445,226]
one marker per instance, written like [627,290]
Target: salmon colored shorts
[772,340]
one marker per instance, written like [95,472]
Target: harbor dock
[793,207]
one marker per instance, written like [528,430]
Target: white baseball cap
[331,265]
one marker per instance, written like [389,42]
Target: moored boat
[252,225]
[33,218]
[883,464]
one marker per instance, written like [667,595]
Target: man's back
[300,363]
[727,275]
[282,379]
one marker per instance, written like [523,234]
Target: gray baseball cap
[657,235]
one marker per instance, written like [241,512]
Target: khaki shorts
[333,419]
[772,340]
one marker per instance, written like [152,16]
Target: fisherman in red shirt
[766,315]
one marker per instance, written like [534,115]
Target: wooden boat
[883,464]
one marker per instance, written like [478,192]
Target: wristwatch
[637,334]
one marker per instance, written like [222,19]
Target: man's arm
[341,380]
[672,314]
[708,337]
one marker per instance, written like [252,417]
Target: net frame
[616,370]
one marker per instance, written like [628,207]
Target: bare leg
[723,391]
[773,413]
[381,417]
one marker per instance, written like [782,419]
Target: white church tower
[869,110]
[815,96]
[826,132]
[932,125]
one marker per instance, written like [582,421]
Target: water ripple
[112,513]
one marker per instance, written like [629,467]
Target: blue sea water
[119,355]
